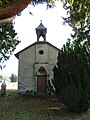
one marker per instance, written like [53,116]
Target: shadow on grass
[55,108]
[36,108]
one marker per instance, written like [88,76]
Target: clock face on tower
[41,52]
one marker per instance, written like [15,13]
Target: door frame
[42,81]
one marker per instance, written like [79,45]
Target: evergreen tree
[13,78]
[72,76]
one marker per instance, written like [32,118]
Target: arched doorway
[42,81]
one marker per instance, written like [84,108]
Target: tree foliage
[8,41]
[10,8]
[72,74]
[78,18]
[78,10]
[72,77]
[13,78]
[1,77]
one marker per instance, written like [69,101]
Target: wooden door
[42,82]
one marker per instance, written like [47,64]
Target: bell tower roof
[41,31]
[41,27]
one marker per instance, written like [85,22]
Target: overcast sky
[25,25]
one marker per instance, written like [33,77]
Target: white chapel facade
[36,63]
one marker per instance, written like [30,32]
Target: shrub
[71,80]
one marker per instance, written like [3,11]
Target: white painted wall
[30,61]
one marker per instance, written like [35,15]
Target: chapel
[36,63]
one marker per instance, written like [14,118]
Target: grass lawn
[36,108]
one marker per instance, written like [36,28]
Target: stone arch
[42,71]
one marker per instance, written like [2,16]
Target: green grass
[9,91]
[36,108]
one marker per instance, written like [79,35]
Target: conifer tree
[72,76]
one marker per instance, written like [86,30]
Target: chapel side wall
[26,61]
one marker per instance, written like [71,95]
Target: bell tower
[41,31]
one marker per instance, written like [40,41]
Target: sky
[25,25]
